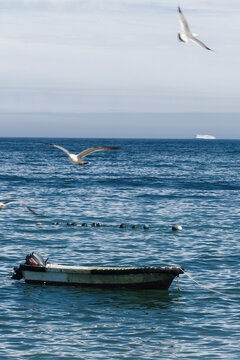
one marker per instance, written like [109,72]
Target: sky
[76,60]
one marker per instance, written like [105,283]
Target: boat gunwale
[176,270]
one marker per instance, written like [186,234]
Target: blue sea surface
[192,183]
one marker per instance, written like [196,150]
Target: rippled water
[156,182]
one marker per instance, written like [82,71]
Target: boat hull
[133,277]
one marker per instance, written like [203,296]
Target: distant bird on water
[77,158]
[3,204]
[186,34]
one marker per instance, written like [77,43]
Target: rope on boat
[205,287]
[178,283]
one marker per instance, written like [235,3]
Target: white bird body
[1,206]
[182,37]
[186,34]
[77,158]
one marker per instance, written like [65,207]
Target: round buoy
[176,228]
[99,224]
[94,224]
[58,223]
[38,223]
[54,223]
[145,226]
[84,224]
[69,223]
[123,226]
[134,227]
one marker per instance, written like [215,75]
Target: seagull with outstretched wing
[3,204]
[186,34]
[77,158]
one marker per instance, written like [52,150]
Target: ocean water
[192,183]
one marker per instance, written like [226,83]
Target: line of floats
[121,226]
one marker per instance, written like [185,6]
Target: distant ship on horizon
[206,137]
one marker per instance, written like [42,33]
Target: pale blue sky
[103,56]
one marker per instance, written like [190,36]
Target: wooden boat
[153,277]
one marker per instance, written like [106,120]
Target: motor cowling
[35,259]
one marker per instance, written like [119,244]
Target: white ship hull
[205,137]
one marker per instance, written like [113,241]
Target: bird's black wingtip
[113,147]
[31,210]
[179,9]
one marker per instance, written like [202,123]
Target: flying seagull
[186,34]
[77,158]
[3,204]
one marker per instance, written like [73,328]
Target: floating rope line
[205,287]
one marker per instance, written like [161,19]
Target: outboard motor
[35,259]
[17,273]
